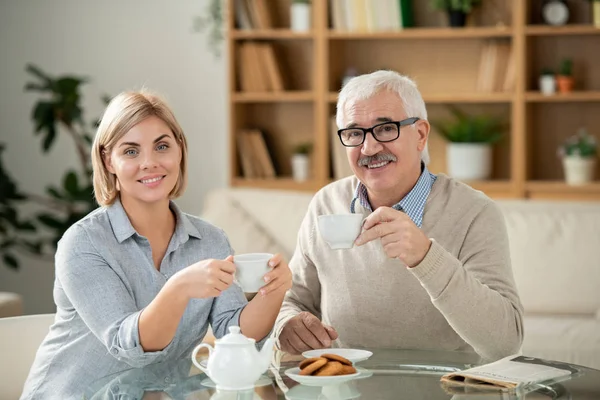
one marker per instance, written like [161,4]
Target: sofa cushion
[555,251]
[562,338]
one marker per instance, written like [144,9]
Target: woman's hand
[206,278]
[279,278]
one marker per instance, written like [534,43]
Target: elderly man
[431,268]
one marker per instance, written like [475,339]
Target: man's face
[385,167]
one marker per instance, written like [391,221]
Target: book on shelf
[254,154]
[513,372]
[370,16]
[258,69]
[253,14]
[496,67]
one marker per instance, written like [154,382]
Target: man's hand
[400,237]
[305,332]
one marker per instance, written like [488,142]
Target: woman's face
[146,162]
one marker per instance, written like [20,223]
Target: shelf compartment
[426,33]
[439,98]
[579,96]
[272,97]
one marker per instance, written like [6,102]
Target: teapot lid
[235,337]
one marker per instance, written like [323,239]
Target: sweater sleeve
[476,292]
[305,294]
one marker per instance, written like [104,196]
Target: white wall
[119,45]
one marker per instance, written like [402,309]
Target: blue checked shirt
[413,204]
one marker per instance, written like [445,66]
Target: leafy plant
[566,67]
[303,148]
[582,144]
[212,23]
[465,6]
[59,111]
[470,128]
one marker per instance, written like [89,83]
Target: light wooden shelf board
[580,96]
[274,34]
[433,98]
[426,33]
[562,187]
[283,183]
[272,97]
[546,30]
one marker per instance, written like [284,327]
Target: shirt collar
[123,229]
[413,204]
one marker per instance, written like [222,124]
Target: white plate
[309,380]
[354,355]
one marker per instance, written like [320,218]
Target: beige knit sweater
[462,296]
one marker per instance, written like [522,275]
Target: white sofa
[555,254]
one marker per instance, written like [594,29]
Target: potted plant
[457,10]
[547,82]
[470,137]
[300,12]
[301,162]
[564,79]
[579,158]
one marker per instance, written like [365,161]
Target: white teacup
[250,270]
[340,230]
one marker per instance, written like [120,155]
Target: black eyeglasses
[384,132]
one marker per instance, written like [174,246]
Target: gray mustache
[376,158]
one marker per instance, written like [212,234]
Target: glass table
[388,374]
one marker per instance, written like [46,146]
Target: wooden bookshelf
[445,62]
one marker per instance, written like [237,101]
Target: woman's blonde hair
[124,112]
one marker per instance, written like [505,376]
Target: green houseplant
[457,10]
[564,79]
[579,156]
[212,22]
[58,111]
[470,140]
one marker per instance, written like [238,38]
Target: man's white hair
[364,87]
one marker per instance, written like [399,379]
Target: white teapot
[235,363]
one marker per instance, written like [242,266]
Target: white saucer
[309,380]
[262,381]
[354,355]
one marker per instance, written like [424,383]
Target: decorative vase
[469,161]
[300,17]
[300,167]
[547,85]
[579,170]
[457,18]
[565,83]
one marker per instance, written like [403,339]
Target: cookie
[347,370]
[330,369]
[308,361]
[312,367]
[335,357]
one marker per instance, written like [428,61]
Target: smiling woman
[127,272]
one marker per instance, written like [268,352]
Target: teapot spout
[266,354]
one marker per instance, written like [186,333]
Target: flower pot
[565,83]
[547,85]
[469,161]
[456,18]
[300,17]
[300,167]
[579,170]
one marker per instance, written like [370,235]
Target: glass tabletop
[388,374]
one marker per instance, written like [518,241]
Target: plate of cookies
[327,369]
[354,355]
